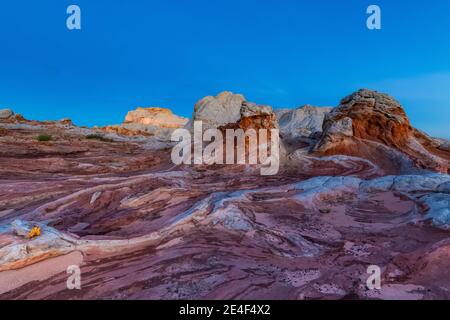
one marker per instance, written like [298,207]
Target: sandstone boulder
[160,117]
[257,117]
[157,122]
[250,109]
[6,113]
[228,110]
[374,126]
[66,122]
[217,111]
[368,115]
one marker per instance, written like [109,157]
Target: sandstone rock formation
[6,113]
[140,227]
[217,111]
[301,122]
[159,117]
[443,144]
[229,110]
[158,122]
[257,117]
[312,235]
[136,131]
[253,116]
[9,116]
[374,126]
[66,122]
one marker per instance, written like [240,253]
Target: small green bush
[98,137]
[44,137]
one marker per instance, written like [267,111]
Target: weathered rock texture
[301,122]
[253,116]
[6,113]
[141,228]
[159,117]
[217,111]
[228,110]
[9,116]
[374,126]
[157,122]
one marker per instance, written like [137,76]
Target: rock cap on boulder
[6,113]
[217,111]
[374,126]
[156,116]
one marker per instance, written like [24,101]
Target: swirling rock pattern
[141,228]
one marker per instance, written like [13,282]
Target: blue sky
[170,53]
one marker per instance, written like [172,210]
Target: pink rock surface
[142,228]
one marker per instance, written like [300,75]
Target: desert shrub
[34,232]
[98,137]
[44,137]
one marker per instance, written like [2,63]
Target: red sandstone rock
[374,126]
[155,121]
[141,228]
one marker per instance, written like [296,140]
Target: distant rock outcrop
[66,121]
[8,116]
[158,122]
[217,111]
[6,113]
[374,126]
[229,110]
[159,117]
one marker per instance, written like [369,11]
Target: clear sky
[170,53]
